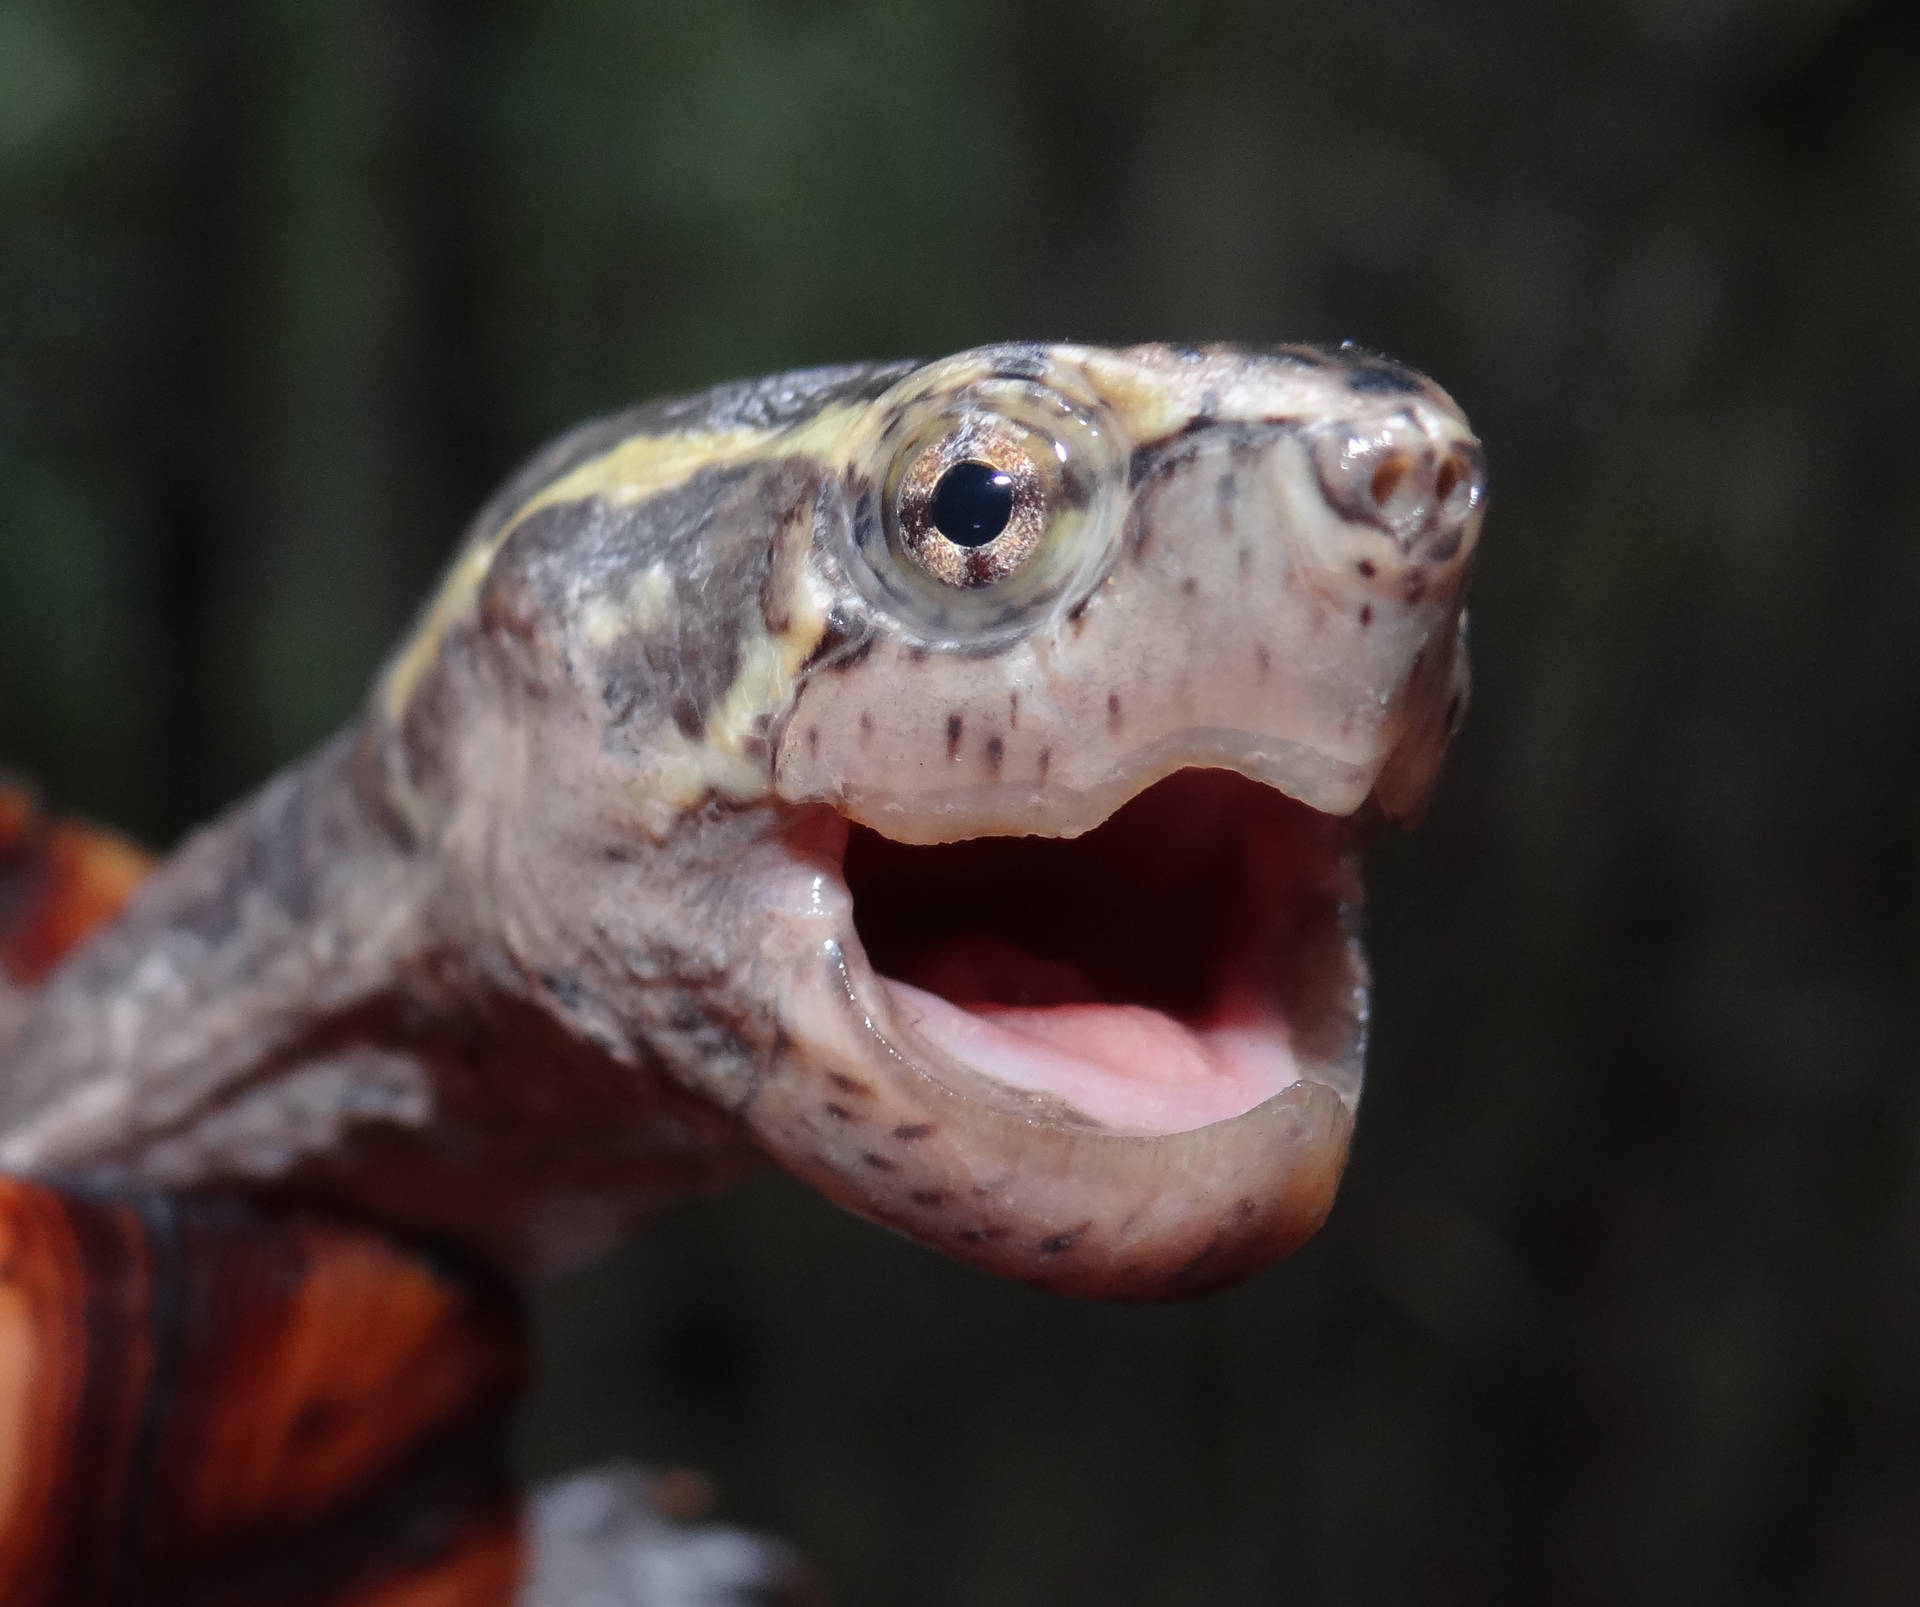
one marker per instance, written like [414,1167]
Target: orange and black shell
[58,882]
[206,1404]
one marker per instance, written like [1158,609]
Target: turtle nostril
[1386,479]
[1458,486]
[1408,476]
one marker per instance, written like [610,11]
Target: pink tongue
[1123,1065]
[1127,1040]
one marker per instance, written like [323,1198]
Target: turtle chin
[1120,1065]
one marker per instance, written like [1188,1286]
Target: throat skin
[305,1002]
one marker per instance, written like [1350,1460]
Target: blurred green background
[1621,1302]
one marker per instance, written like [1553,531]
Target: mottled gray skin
[556,932]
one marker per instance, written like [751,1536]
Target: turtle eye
[976,503]
[970,509]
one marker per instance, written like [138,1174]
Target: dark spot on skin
[1056,1243]
[980,1235]
[1385,379]
[686,716]
[813,741]
[916,655]
[1076,487]
[1263,657]
[1366,614]
[928,1197]
[866,724]
[1444,548]
[1113,711]
[839,1113]
[878,1162]
[1188,1268]
[1074,613]
[848,1085]
[996,752]
[684,1017]
[1139,534]
[1013,710]
[1023,361]
[1246,560]
[757,404]
[846,658]
[1189,586]
[1367,568]
[775,610]
[1046,758]
[1140,464]
[954,727]
[1416,586]
[566,990]
[1243,1209]
[912,1132]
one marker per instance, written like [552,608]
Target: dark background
[1621,1302]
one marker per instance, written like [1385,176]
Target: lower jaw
[1201,1180]
[1019,1184]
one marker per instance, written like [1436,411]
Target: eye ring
[1064,460]
[970,509]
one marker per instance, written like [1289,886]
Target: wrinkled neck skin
[566,925]
[307,1001]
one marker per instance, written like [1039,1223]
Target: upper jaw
[1282,600]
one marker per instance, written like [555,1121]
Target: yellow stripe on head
[629,472]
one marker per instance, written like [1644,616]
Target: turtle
[946,780]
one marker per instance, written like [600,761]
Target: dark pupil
[972,503]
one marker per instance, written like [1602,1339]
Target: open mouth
[1178,965]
